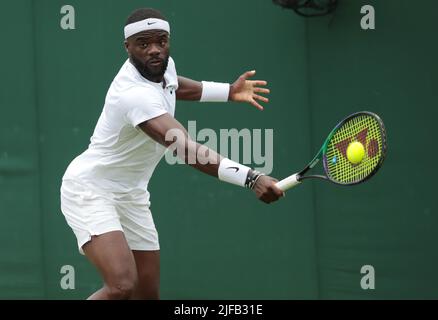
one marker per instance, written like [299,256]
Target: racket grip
[288,182]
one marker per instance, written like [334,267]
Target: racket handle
[288,182]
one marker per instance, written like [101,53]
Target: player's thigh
[110,253]
[148,271]
[138,225]
[142,237]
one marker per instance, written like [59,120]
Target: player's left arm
[188,89]
[242,90]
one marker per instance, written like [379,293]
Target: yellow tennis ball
[355,152]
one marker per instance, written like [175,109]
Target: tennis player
[104,195]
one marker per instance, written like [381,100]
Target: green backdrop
[217,241]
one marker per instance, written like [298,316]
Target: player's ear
[126,45]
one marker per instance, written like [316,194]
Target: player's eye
[144,45]
[163,41]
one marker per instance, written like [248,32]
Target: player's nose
[154,49]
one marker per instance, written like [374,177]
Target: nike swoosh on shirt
[237,169]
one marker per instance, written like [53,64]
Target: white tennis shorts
[90,212]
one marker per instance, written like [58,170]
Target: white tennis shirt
[121,157]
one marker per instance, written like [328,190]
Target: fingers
[261,98]
[255,104]
[249,90]
[278,192]
[272,193]
[270,198]
[259,83]
[261,90]
[248,74]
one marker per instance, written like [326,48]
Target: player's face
[149,52]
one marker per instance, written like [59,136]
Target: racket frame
[383,150]
[296,178]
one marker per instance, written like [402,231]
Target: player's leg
[148,271]
[142,237]
[114,260]
[95,222]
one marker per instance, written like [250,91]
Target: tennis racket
[364,127]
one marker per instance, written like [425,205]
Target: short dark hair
[144,13]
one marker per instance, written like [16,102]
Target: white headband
[147,24]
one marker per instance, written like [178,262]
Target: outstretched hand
[243,90]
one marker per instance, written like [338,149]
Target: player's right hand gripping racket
[364,127]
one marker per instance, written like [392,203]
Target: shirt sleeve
[142,104]
[171,76]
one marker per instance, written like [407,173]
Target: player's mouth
[155,62]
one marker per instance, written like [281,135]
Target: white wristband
[233,172]
[214,91]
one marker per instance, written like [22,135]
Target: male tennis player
[104,195]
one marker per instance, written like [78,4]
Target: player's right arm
[167,131]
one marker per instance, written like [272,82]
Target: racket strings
[365,129]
